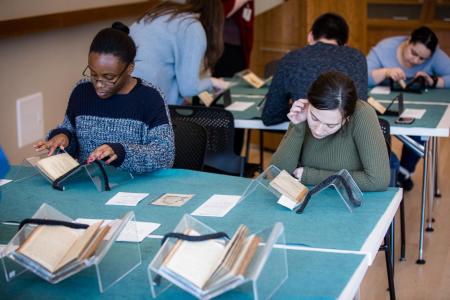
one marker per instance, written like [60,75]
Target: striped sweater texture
[136,126]
[358,147]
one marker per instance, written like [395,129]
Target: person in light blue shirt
[400,58]
[404,57]
[177,45]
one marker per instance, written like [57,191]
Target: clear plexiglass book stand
[104,177]
[266,273]
[112,260]
[341,181]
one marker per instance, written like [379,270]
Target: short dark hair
[331,26]
[425,36]
[116,41]
[333,90]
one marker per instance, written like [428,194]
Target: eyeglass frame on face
[108,83]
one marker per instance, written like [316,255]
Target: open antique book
[55,247]
[57,166]
[292,190]
[253,79]
[212,264]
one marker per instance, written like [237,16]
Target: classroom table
[431,95]
[311,275]
[435,123]
[324,225]
[328,247]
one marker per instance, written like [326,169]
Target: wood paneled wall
[286,27]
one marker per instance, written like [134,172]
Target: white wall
[15,9]
[49,62]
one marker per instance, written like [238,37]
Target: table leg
[247,144]
[431,152]
[261,150]
[392,243]
[421,260]
[437,192]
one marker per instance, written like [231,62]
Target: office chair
[219,125]
[190,145]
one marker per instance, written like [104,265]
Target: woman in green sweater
[333,130]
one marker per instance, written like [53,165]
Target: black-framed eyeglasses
[87,73]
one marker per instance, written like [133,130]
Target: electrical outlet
[30,119]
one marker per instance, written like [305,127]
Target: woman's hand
[58,141]
[298,111]
[298,173]
[395,73]
[427,77]
[219,84]
[102,152]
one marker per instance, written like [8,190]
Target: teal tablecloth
[432,95]
[312,275]
[326,222]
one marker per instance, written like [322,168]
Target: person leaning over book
[333,130]
[400,58]
[326,51]
[113,116]
[177,45]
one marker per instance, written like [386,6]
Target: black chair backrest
[219,125]
[190,145]
[386,129]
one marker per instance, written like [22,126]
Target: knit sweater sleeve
[277,103]
[190,51]
[372,150]
[157,150]
[288,153]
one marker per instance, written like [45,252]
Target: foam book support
[55,252]
[254,267]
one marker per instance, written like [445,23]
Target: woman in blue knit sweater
[113,116]
[178,44]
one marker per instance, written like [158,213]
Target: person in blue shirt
[400,58]
[4,165]
[403,57]
[113,116]
[177,47]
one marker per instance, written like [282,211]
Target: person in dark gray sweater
[326,51]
